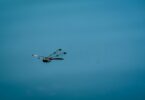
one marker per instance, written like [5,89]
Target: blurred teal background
[105,41]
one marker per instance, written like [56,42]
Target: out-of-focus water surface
[105,41]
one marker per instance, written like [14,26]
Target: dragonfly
[56,55]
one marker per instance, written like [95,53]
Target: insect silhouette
[56,55]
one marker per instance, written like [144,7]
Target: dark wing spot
[64,53]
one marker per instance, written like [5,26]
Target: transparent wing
[57,53]
[37,56]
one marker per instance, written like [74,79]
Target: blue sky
[104,40]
